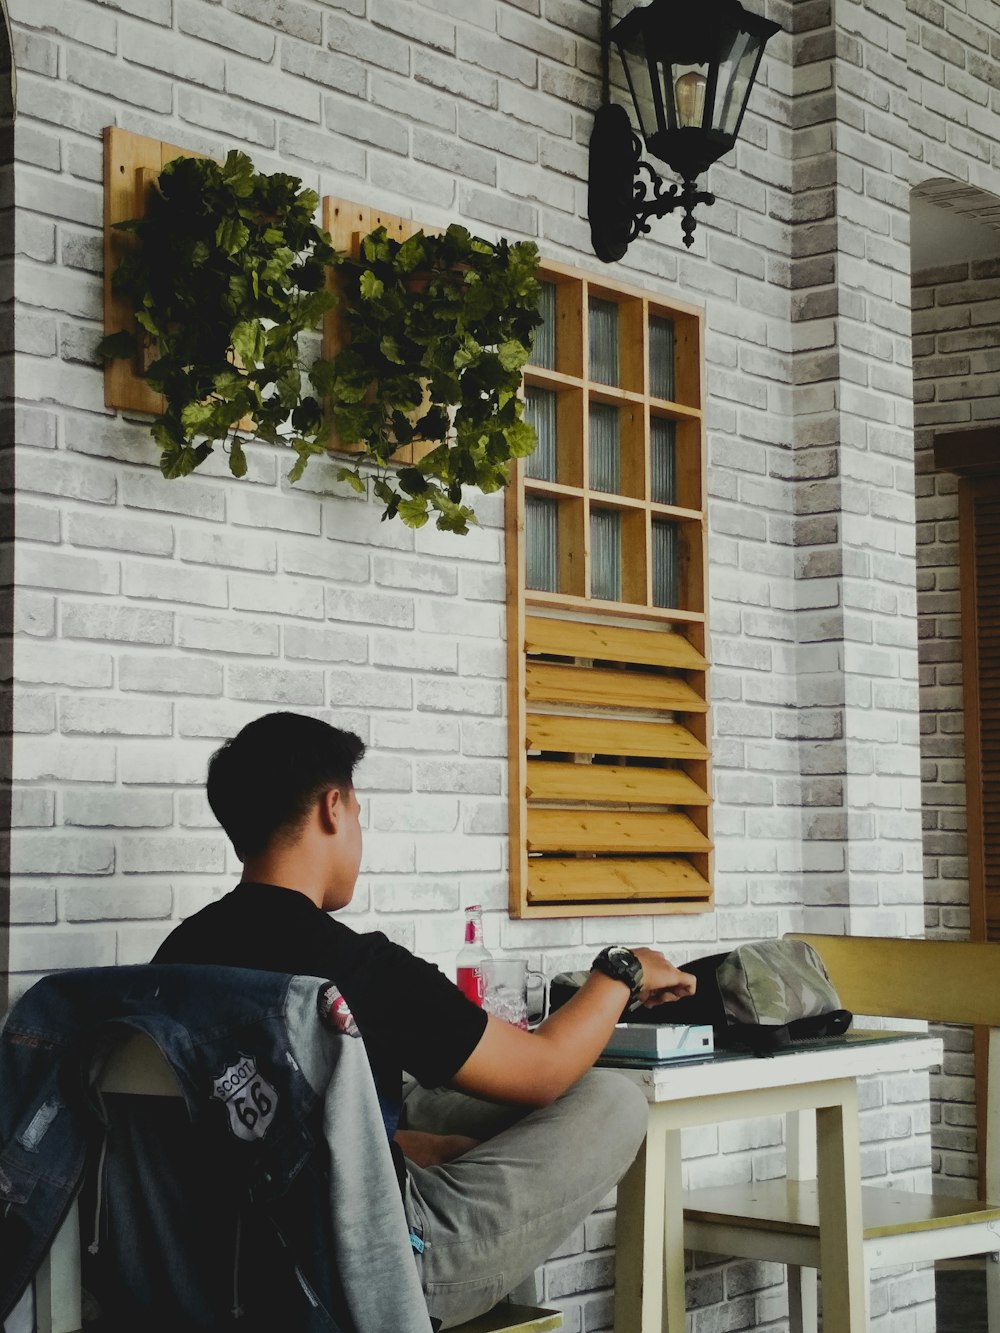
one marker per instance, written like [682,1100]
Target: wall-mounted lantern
[690,66]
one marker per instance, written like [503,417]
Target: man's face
[345,852]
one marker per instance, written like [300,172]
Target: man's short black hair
[262,783]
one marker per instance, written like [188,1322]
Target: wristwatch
[620,964]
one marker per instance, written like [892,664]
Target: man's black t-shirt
[410,1015]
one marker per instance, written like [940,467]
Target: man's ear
[331,809]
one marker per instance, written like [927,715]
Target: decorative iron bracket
[619,206]
[665,198]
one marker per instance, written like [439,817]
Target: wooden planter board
[131,164]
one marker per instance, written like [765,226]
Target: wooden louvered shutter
[615,773]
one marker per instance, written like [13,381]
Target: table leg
[649,1246]
[674,1297]
[841,1234]
[639,1238]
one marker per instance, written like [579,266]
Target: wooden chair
[777,1221]
[137,1068]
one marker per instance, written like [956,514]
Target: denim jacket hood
[286,1108]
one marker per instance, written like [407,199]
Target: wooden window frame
[972,454]
[638,842]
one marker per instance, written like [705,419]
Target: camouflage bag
[760,997]
[775,983]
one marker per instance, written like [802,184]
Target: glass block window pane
[605,448]
[603,341]
[663,461]
[665,580]
[661,358]
[540,411]
[543,345]
[606,555]
[541,543]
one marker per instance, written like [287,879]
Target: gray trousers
[489,1218]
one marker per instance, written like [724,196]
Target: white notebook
[660,1041]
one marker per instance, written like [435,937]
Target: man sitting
[512,1138]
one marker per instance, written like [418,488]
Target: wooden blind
[608,713]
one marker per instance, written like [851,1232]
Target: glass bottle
[472,956]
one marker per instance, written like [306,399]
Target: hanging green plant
[229,271]
[439,329]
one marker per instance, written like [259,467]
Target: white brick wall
[154,618]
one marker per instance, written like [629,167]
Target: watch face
[624,964]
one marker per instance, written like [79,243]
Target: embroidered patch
[249,1098]
[31,1137]
[334,1011]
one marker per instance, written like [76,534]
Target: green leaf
[344,391]
[389,348]
[237,459]
[385,492]
[117,346]
[411,253]
[521,439]
[231,235]
[238,173]
[412,480]
[305,450]
[370,287]
[248,341]
[307,416]
[147,322]
[353,478]
[198,418]
[467,354]
[512,354]
[181,461]
[413,512]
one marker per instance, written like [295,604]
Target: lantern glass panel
[735,75]
[640,85]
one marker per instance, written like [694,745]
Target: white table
[649,1263]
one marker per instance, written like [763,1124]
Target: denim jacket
[265,1199]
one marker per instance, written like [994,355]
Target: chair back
[942,981]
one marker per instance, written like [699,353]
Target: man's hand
[432,1149]
[661,981]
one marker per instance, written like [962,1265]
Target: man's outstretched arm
[535,1068]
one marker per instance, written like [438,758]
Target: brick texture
[155,618]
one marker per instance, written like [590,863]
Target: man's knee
[613,1102]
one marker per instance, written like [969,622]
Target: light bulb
[689,98]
